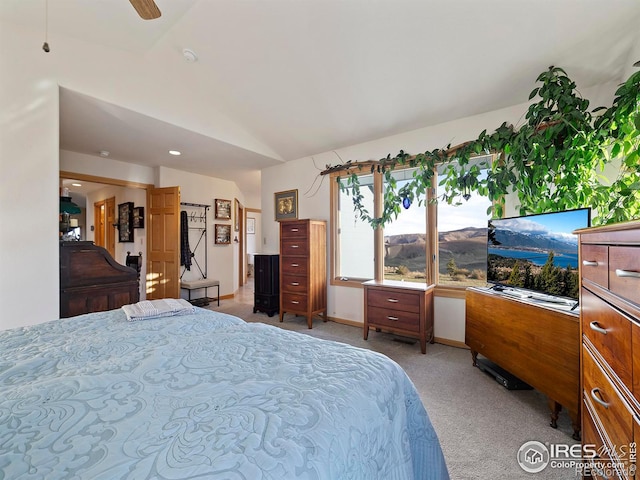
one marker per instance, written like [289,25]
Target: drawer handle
[295,302]
[627,273]
[294,229]
[294,246]
[589,263]
[595,394]
[597,328]
[295,284]
[295,265]
[393,319]
[392,300]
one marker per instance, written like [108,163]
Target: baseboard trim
[351,323]
[451,343]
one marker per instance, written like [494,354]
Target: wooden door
[163,243]
[110,230]
[98,221]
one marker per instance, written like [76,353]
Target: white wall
[347,303]
[222,259]
[29,191]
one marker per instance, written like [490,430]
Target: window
[405,238]
[462,239]
[354,254]
[458,240]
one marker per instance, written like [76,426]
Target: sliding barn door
[163,242]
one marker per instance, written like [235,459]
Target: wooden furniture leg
[555,408]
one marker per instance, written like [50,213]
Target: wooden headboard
[92,281]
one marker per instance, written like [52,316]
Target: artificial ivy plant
[554,161]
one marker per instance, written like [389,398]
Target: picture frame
[286,205]
[125,222]
[222,234]
[236,215]
[251,225]
[223,209]
[138,217]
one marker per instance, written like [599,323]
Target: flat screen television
[536,254]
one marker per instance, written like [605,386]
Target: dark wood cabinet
[536,343]
[266,297]
[610,328]
[92,281]
[303,268]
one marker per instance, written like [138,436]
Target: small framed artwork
[223,234]
[125,222]
[223,209]
[251,225]
[236,215]
[138,217]
[286,205]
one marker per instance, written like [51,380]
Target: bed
[204,395]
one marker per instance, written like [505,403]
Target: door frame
[108,181]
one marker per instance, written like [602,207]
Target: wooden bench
[197,285]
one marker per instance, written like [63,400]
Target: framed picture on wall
[125,222]
[223,234]
[251,225]
[286,205]
[138,217]
[223,209]
[236,215]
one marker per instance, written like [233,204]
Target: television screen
[537,253]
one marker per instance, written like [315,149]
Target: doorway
[104,217]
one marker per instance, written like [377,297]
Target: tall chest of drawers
[303,268]
[610,354]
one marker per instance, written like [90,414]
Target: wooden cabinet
[537,344]
[266,296]
[92,281]
[610,332]
[303,268]
[403,308]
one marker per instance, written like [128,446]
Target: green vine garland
[553,162]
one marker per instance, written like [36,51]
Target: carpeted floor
[480,424]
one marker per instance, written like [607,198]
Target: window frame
[431,246]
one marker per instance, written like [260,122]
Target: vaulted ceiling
[278,80]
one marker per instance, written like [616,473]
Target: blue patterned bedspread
[204,396]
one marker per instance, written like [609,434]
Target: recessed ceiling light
[175,152]
[104,153]
[76,184]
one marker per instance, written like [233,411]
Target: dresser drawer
[624,272]
[595,264]
[386,317]
[635,347]
[605,401]
[291,229]
[294,302]
[294,284]
[609,331]
[294,246]
[394,300]
[294,266]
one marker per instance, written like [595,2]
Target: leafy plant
[554,161]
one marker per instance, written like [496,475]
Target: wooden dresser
[266,291]
[303,268]
[534,341]
[610,356]
[403,308]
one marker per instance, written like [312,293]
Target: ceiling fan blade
[147,9]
